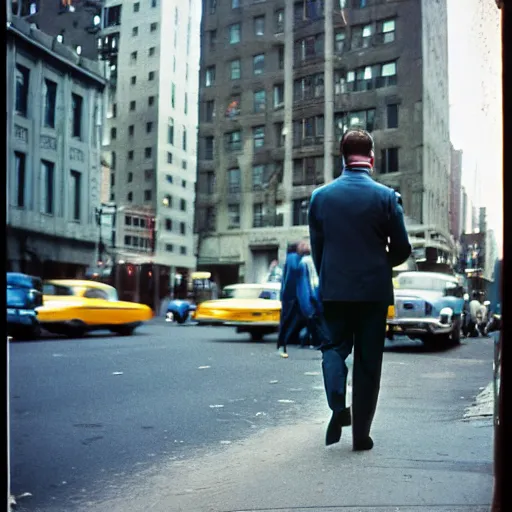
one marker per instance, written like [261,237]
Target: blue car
[428,307]
[24,295]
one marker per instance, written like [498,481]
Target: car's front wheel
[124,330]
[256,336]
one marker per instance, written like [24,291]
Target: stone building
[280,82]
[54,105]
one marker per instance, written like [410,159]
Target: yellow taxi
[73,307]
[251,308]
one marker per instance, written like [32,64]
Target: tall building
[279,84]
[151,56]
[465,211]
[456,193]
[54,101]
[74,23]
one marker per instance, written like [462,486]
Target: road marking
[273,382]
[284,401]
[117,373]
[216,406]
[311,373]
[203,367]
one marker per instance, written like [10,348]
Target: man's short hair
[356,142]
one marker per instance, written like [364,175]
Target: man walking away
[357,235]
[291,322]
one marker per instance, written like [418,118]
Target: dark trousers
[292,322]
[361,325]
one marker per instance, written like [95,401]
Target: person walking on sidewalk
[291,322]
[357,235]
[309,301]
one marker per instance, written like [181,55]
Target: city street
[187,418]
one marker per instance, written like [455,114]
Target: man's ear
[372,158]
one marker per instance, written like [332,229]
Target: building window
[148,174]
[147,152]
[209,144]
[212,6]
[184,139]
[361,36]
[133,80]
[76,106]
[309,131]
[22,83]
[259,26]
[127,220]
[173,95]
[153,3]
[130,154]
[209,111]
[113,133]
[258,177]
[112,180]
[21,178]
[233,216]
[212,39]
[235,69]
[136,7]
[113,160]
[339,42]
[183,228]
[114,110]
[168,224]
[50,100]
[133,104]
[169,247]
[151,51]
[392,116]
[309,48]
[386,31]
[389,160]
[257,215]
[364,119]
[153,27]
[308,171]
[183,250]
[149,127]
[170,131]
[169,158]
[76,194]
[259,101]
[280,57]
[386,76]
[258,134]
[279,136]
[278,95]
[234,178]
[151,75]
[185,104]
[151,101]
[258,64]
[183,205]
[129,197]
[308,87]
[129,178]
[210,76]
[234,33]
[300,211]
[131,130]
[133,57]
[184,167]
[279,21]
[135,31]
[210,182]
[147,195]
[167,201]
[234,141]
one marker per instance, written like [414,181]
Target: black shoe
[363,445]
[338,419]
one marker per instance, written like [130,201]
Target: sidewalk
[430,453]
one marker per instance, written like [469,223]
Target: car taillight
[428,308]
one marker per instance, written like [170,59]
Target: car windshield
[241,293]
[57,290]
[423,282]
[16,297]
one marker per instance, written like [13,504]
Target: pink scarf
[358,161]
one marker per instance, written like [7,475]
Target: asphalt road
[90,415]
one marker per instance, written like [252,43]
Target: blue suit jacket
[290,276]
[357,235]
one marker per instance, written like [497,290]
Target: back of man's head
[356,143]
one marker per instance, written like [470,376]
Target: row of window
[169,226]
[22,102]
[167,201]
[307,131]
[47,189]
[170,248]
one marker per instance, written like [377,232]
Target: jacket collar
[356,169]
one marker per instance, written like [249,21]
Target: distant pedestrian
[309,301]
[357,235]
[292,321]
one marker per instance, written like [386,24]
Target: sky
[474,53]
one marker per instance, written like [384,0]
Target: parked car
[74,307]
[251,308]
[428,306]
[24,295]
